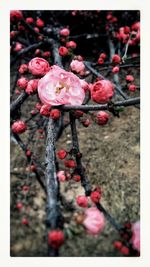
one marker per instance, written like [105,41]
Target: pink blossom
[38,66]
[61,176]
[94,221]
[59,87]
[136,235]
[77,66]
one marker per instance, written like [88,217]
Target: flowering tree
[63,89]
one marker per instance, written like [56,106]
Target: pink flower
[102,91]
[136,235]
[94,221]
[38,66]
[77,66]
[59,87]
[64,32]
[61,176]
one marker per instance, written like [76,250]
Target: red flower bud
[46,54]
[102,55]
[37,52]
[19,127]
[100,61]
[32,86]
[22,82]
[115,69]
[95,196]
[45,110]
[116,59]
[118,244]
[102,117]
[29,20]
[63,51]
[25,221]
[86,122]
[40,23]
[132,87]
[32,168]
[129,78]
[36,29]
[18,47]
[23,68]
[78,113]
[76,178]
[82,201]
[124,250]
[55,114]
[55,238]
[28,153]
[61,154]
[15,15]
[19,205]
[70,163]
[71,44]
[64,32]
[38,106]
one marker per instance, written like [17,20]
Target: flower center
[61,86]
